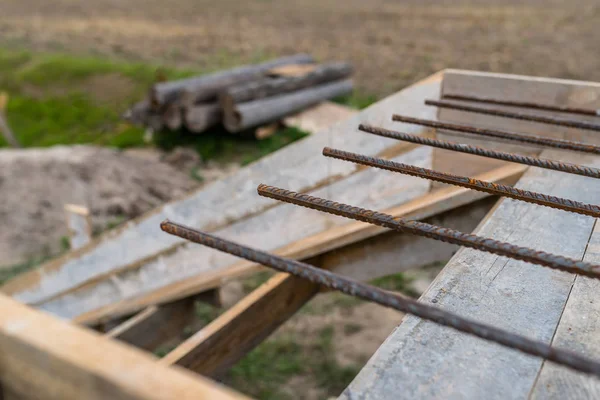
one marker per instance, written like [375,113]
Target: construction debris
[242,98]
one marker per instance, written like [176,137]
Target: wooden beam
[419,208]
[156,325]
[42,357]
[222,343]
[219,345]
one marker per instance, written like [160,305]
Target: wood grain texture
[224,341]
[424,360]
[300,166]
[45,358]
[216,347]
[556,92]
[577,331]
[421,207]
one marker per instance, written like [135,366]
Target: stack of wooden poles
[242,98]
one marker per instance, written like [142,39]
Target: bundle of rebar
[242,98]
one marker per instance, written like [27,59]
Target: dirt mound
[36,183]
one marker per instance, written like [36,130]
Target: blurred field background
[71,67]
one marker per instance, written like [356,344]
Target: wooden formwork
[147,281]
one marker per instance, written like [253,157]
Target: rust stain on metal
[507,135]
[434,232]
[480,151]
[571,123]
[471,183]
[387,299]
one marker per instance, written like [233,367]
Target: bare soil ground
[391,43]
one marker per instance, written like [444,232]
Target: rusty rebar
[524,104]
[507,135]
[479,151]
[367,292]
[434,232]
[571,123]
[471,183]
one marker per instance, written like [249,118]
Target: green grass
[274,362]
[63,99]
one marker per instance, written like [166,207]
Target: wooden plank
[45,358]
[223,342]
[156,325]
[419,208]
[577,331]
[300,167]
[424,360]
[242,116]
[79,224]
[271,230]
[557,92]
[320,117]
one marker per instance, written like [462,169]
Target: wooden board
[79,224]
[424,360]
[318,118]
[556,92]
[44,358]
[300,166]
[269,230]
[577,331]
[223,342]
[333,238]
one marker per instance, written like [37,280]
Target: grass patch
[61,99]
[253,282]
[265,369]
[270,366]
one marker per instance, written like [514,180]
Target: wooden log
[199,118]
[172,117]
[268,87]
[43,357]
[251,114]
[207,87]
[219,345]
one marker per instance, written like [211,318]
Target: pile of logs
[242,98]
